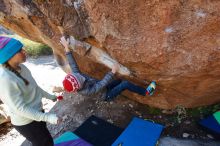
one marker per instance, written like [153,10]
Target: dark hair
[6,65]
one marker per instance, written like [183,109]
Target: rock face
[174,42]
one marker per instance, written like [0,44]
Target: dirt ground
[75,109]
[120,112]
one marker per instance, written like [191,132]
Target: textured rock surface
[175,42]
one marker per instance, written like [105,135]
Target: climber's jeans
[117,86]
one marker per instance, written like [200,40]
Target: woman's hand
[57,89]
[65,42]
[58,93]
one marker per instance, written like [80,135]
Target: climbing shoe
[151,87]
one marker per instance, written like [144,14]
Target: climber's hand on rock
[65,42]
[115,68]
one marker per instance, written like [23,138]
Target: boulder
[174,42]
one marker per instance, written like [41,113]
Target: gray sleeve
[13,98]
[98,86]
[72,62]
[46,94]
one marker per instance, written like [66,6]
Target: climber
[86,85]
[21,94]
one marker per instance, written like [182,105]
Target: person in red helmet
[21,94]
[87,86]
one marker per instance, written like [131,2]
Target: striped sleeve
[72,62]
[98,86]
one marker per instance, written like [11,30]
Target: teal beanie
[8,48]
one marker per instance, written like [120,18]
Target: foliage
[33,48]
[203,111]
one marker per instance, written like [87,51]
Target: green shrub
[33,48]
[203,111]
[38,49]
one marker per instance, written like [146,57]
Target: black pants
[37,133]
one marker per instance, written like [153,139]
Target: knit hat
[73,82]
[8,48]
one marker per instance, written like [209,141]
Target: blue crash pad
[211,124]
[139,133]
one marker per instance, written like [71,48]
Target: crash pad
[70,139]
[98,132]
[139,133]
[211,124]
[217,116]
